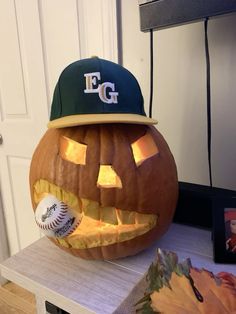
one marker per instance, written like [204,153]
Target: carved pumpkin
[121,177]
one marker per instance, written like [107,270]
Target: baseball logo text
[49,212]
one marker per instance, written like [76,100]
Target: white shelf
[81,286]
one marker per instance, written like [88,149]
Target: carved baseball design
[55,218]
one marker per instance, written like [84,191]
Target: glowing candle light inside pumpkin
[109,161]
[144,148]
[107,177]
[73,151]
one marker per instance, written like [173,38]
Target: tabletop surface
[82,286]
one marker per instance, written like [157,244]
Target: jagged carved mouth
[100,226]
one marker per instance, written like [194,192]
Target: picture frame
[224,229]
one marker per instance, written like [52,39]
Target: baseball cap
[94,90]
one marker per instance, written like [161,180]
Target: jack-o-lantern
[119,175]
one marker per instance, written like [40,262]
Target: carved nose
[108,178]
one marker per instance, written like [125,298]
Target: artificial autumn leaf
[182,289]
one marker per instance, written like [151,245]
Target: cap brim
[82,119]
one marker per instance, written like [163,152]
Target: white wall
[180,91]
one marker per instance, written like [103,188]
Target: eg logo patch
[106,91]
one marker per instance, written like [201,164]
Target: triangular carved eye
[72,151]
[144,148]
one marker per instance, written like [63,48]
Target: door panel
[11,66]
[60,38]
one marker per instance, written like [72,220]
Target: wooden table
[81,286]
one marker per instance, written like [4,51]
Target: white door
[24,113]
[38,38]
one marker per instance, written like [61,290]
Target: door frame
[4,250]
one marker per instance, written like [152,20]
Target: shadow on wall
[222,40]
[181,99]
[193,127]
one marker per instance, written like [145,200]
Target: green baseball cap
[94,90]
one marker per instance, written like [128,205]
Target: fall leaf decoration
[179,288]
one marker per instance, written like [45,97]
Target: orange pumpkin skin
[151,188]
